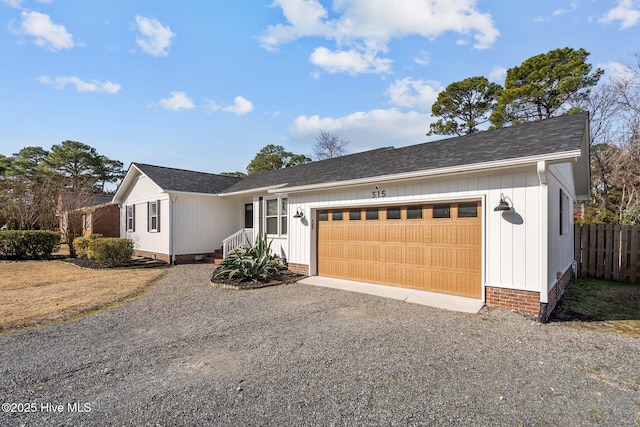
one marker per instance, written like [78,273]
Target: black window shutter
[158,216]
[148,216]
[561,212]
[133,228]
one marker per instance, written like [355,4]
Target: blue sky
[204,85]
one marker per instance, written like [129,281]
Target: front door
[248,215]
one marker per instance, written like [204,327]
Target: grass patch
[39,293]
[601,305]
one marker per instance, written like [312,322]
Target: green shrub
[28,244]
[254,263]
[81,245]
[111,251]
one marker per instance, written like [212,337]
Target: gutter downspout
[172,255]
[543,252]
[260,216]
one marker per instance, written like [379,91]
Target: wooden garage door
[434,247]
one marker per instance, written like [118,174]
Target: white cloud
[154,38]
[212,106]
[305,17]
[61,82]
[627,12]
[350,61]
[563,10]
[13,3]
[422,58]
[616,71]
[240,107]
[417,94]
[498,75]
[366,130]
[45,33]
[18,3]
[177,101]
[364,28]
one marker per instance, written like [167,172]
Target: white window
[276,217]
[131,218]
[154,216]
[565,214]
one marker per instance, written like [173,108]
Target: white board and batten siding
[202,222]
[511,243]
[561,245]
[141,193]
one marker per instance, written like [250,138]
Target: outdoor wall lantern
[299,213]
[503,205]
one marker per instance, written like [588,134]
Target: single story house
[487,215]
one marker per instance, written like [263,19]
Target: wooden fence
[608,251]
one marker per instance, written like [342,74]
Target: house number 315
[378,193]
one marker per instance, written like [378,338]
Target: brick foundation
[193,258]
[527,302]
[209,257]
[299,268]
[555,294]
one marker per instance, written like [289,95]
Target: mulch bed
[284,277]
[83,262]
[93,265]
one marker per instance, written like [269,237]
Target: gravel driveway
[188,354]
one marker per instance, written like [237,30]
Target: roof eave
[190,193]
[499,164]
[252,191]
[126,183]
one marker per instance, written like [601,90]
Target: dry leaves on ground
[40,292]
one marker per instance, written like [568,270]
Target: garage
[434,247]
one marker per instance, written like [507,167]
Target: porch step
[139,261]
[215,258]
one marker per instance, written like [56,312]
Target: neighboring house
[98,215]
[429,216]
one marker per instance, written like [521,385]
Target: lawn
[43,292]
[601,305]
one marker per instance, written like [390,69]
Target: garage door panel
[394,234]
[393,254]
[441,233]
[417,278]
[443,258]
[436,254]
[467,259]
[394,274]
[417,255]
[372,252]
[466,284]
[467,235]
[415,233]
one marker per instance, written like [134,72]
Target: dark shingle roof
[69,200]
[170,179]
[556,135]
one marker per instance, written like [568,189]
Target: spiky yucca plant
[257,262]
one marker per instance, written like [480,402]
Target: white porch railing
[241,237]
